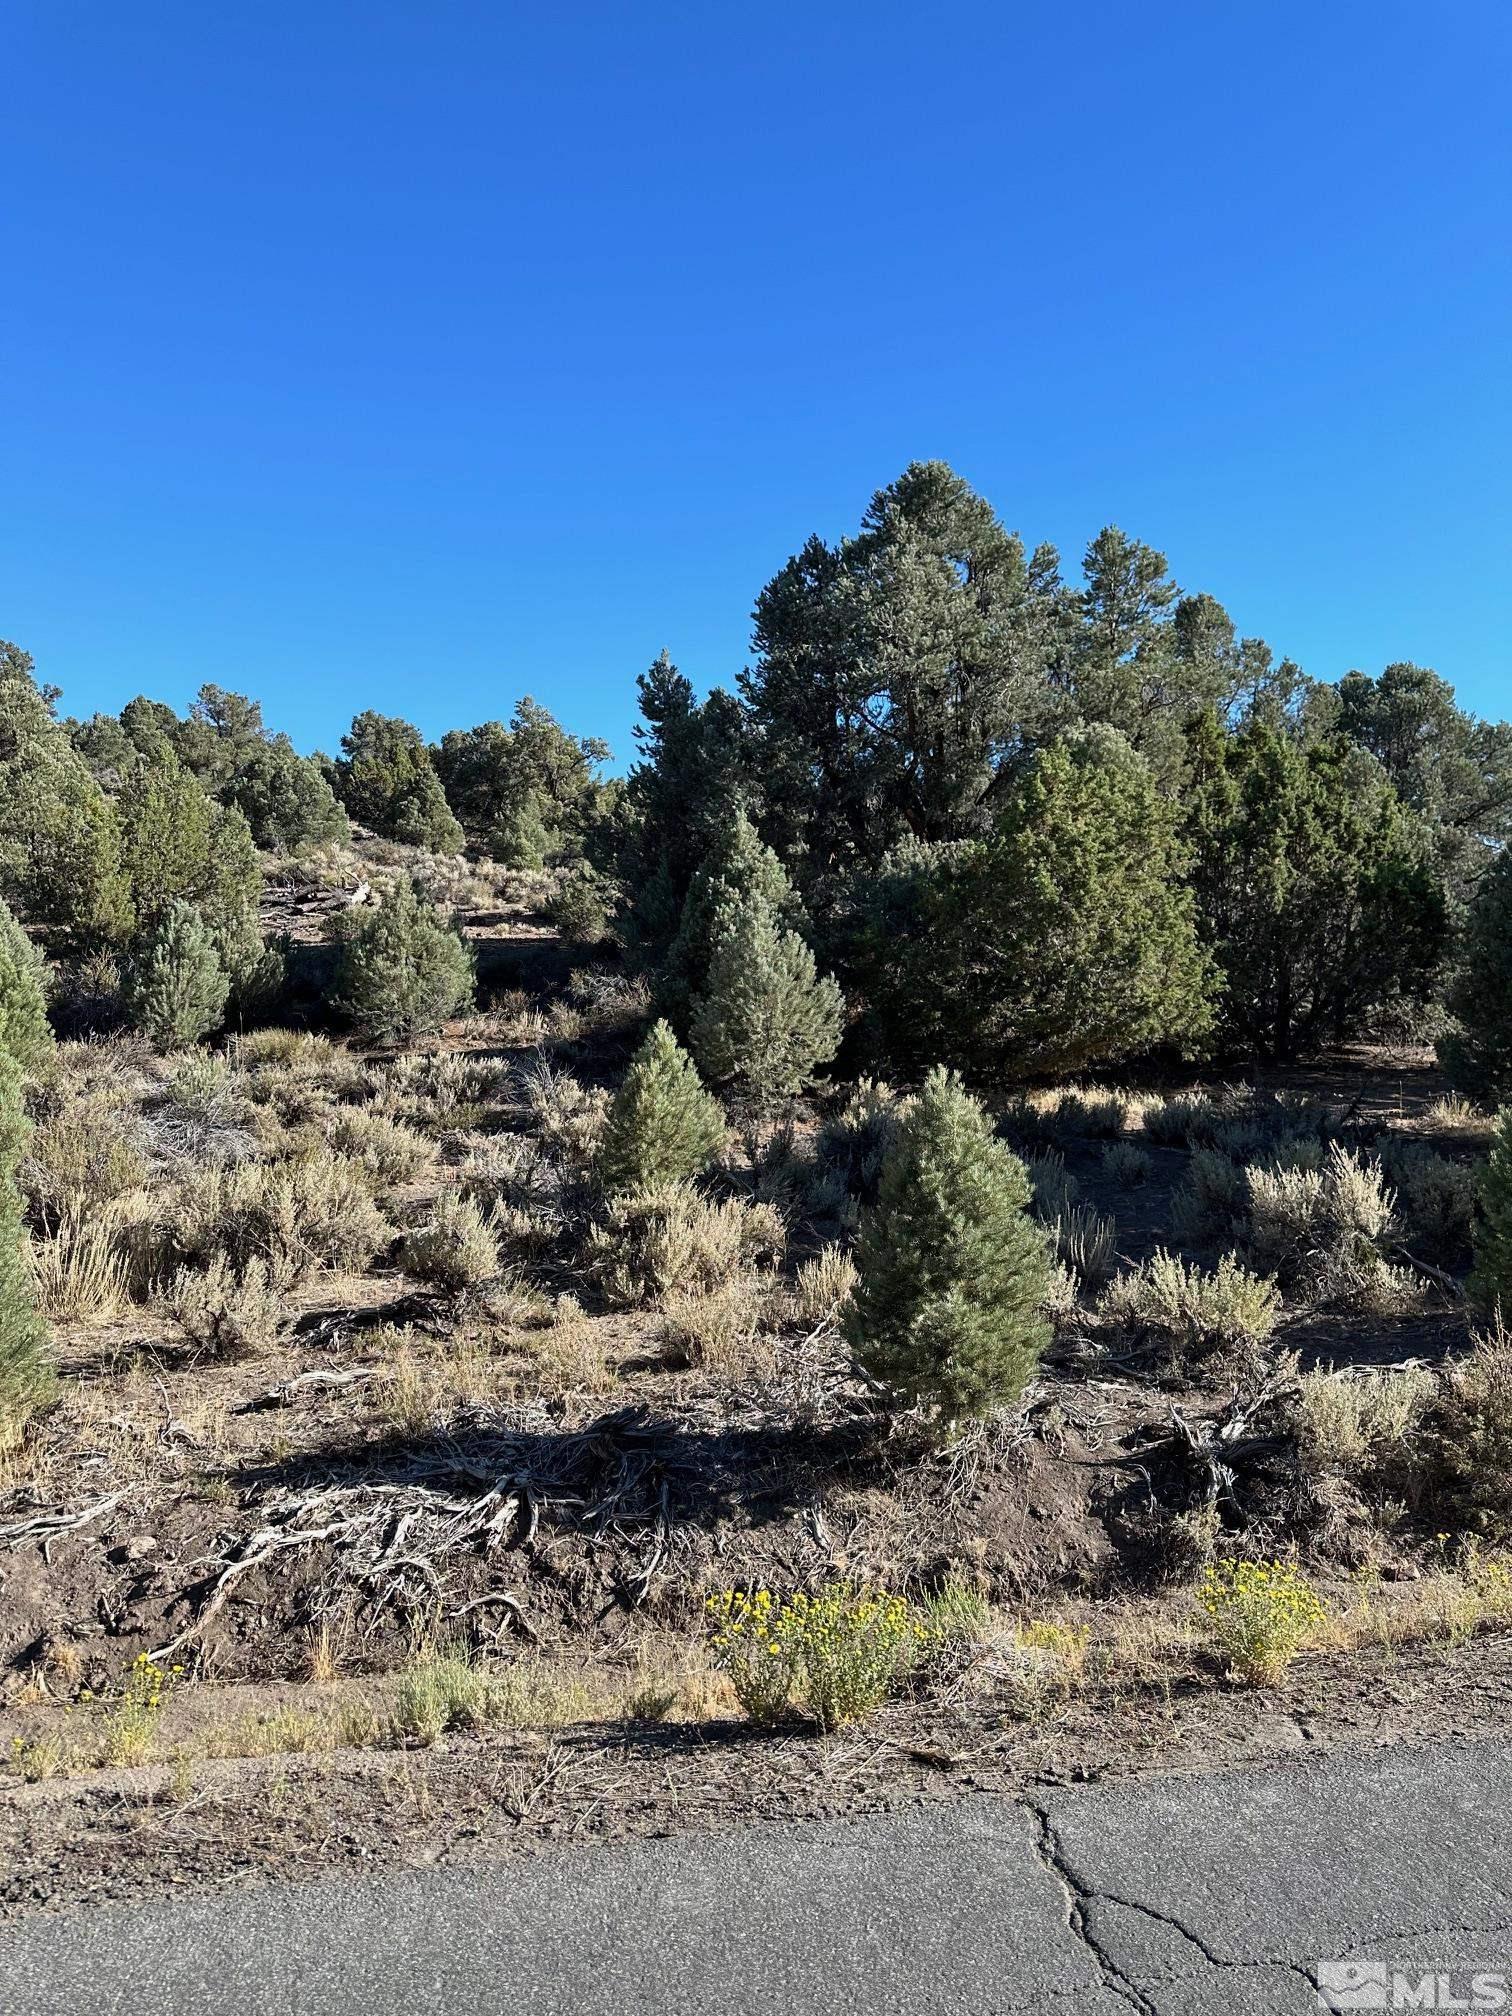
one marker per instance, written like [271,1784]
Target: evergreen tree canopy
[1065,939]
[764,1019]
[526,793]
[1315,885]
[952,1270]
[60,859]
[177,987]
[1478,1054]
[403,970]
[24,1030]
[663,1126]
[27,1376]
[386,781]
[1492,1280]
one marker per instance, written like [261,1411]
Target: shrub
[390,1152]
[1472,1434]
[716,1328]
[226,1311]
[1125,1165]
[24,1029]
[654,1242]
[1438,1197]
[442,1690]
[854,1142]
[765,1018]
[952,1271]
[1229,1308]
[177,987]
[80,1273]
[1493,1220]
[1209,1205]
[456,1248]
[1348,1421]
[1325,1230]
[663,1126]
[26,1372]
[846,1647]
[1260,1615]
[580,906]
[79,1162]
[403,971]
[296,1216]
[1183,1119]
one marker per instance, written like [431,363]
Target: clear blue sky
[418,356]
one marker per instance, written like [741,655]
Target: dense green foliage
[1064,938]
[1478,1054]
[1493,1222]
[24,1030]
[952,1270]
[764,1020]
[525,794]
[1030,821]
[663,1127]
[387,781]
[26,1371]
[177,987]
[403,969]
[1315,885]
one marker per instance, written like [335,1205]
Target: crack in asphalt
[1077,1897]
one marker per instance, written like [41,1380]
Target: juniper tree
[1493,1222]
[177,988]
[663,1127]
[386,780]
[952,1269]
[403,969]
[1478,1055]
[26,1373]
[764,1019]
[24,1030]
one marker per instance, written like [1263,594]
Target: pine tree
[403,970]
[177,988]
[765,1020]
[739,870]
[663,1126]
[26,1373]
[1478,1055]
[1492,1280]
[386,780]
[166,825]
[24,1030]
[953,1272]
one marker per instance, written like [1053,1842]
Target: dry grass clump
[1086,1243]
[82,1272]
[1453,1114]
[1229,1308]
[225,1310]
[823,1286]
[297,1216]
[1186,1117]
[652,1244]
[719,1329]
[1054,1188]
[444,1688]
[455,1248]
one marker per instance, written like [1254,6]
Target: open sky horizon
[419,358]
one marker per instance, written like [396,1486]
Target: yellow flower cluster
[844,1646]
[1261,1614]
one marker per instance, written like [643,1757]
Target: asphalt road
[1182,1896]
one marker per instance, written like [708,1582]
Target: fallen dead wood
[45,1526]
[288,1390]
